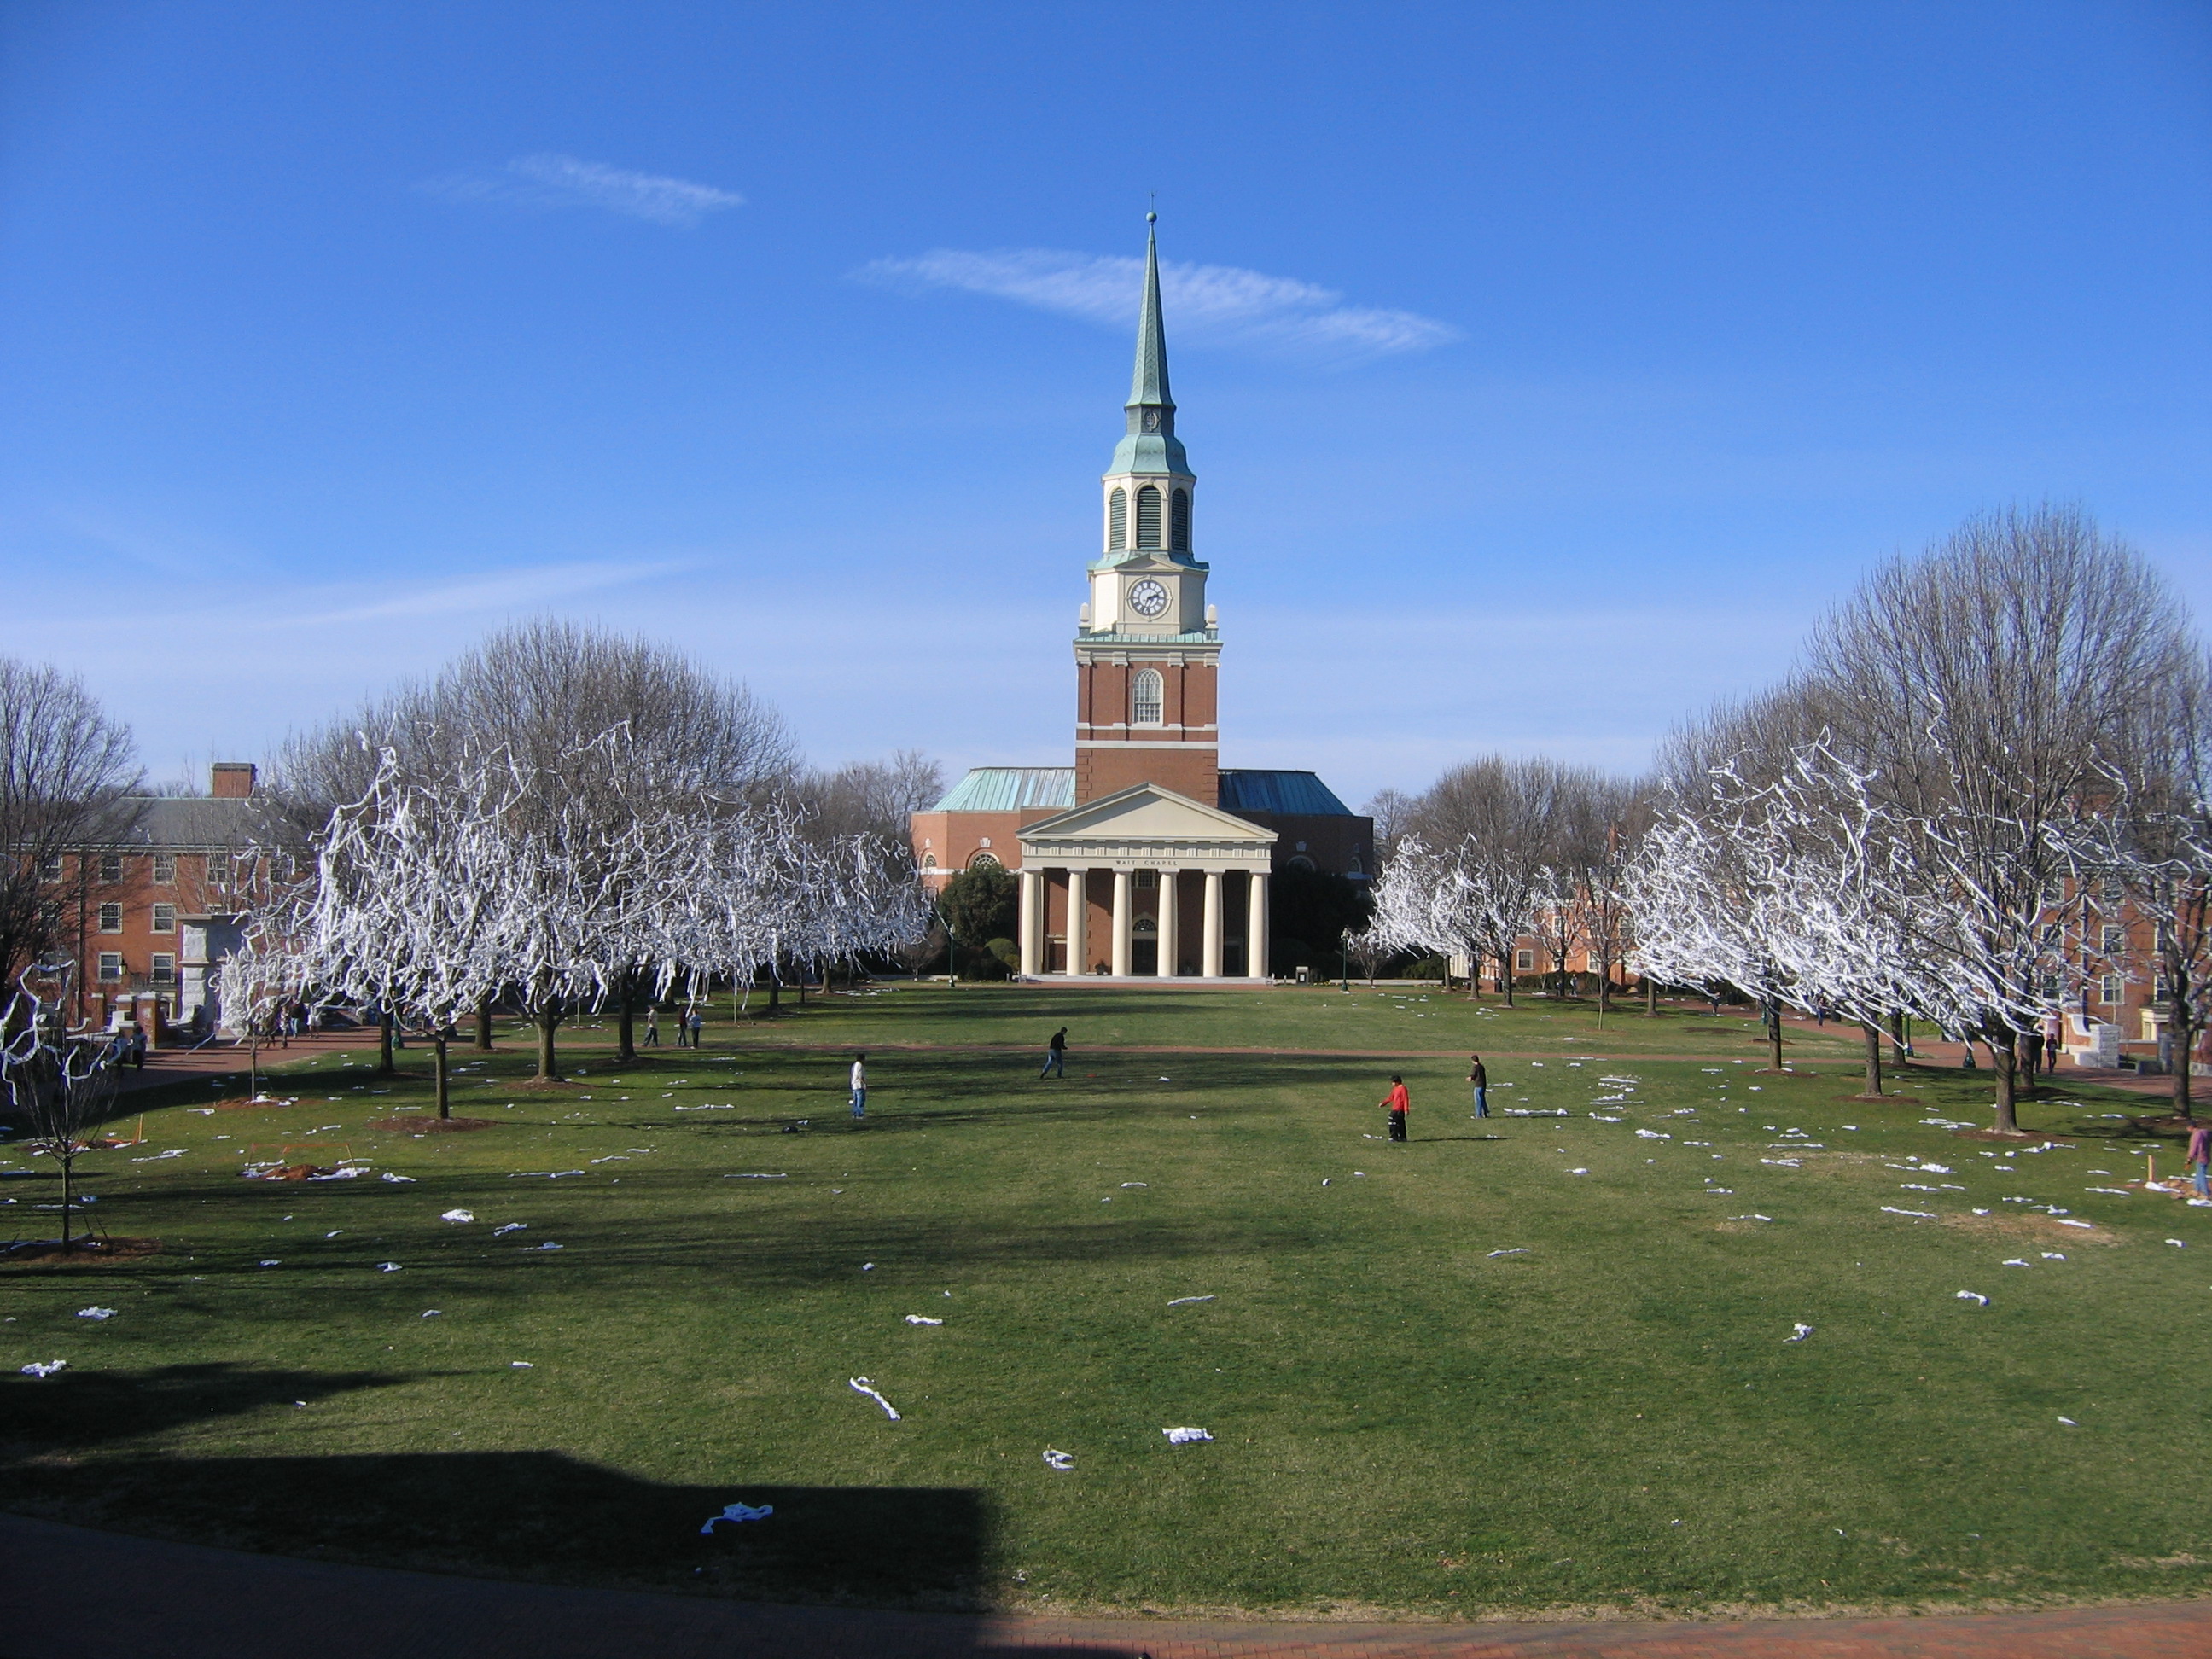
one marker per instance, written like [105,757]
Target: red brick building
[1144,858]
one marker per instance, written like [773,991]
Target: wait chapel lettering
[1146,858]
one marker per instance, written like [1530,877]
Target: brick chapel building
[1146,858]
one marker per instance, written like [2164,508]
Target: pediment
[1145,811]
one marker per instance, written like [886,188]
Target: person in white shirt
[859,1086]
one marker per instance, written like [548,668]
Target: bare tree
[63,1084]
[66,789]
[1991,687]
[1392,809]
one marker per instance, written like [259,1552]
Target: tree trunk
[1505,977]
[438,1042]
[1873,1058]
[253,1061]
[69,1173]
[383,1066]
[626,1022]
[1774,1031]
[1604,988]
[547,1023]
[484,1026]
[1901,1041]
[2003,1052]
[774,989]
[2185,1039]
[1651,998]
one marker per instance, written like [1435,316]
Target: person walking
[1479,1076]
[1397,1102]
[1055,1056]
[859,1087]
[694,1023]
[652,1029]
[2199,1155]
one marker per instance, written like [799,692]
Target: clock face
[1148,598]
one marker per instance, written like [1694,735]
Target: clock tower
[1147,652]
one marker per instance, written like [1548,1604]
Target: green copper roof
[1011,788]
[1151,445]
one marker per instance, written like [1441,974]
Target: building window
[1148,516]
[929,860]
[1146,696]
[164,969]
[1179,521]
[984,861]
[2112,889]
[111,867]
[1353,868]
[165,918]
[1117,521]
[2114,942]
[111,964]
[1148,879]
[165,868]
[50,868]
[1302,862]
[2112,990]
[111,918]
[1524,962]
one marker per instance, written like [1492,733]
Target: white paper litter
[1518,1249]
[2177,1244]
[1184,1436]
[1975,1296]
[1185,1300]
[2052,1255]
[46,1370]
[1061,1459]
[457,1216]
[521,1365]
[1798,1332]
[96,1313]
[2015,1261]
[272,1262]
[388,1175]
[738,1514]
[434,1313]
[1578,1172]
[2070,1423]
[861,1385]
[387,1267]
[2091,1226]
[1918,1215]
[922,1319]
[1126,1184]
[756,1175]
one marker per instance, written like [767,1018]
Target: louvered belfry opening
[1179,522]
[1117,521]
[1148,516]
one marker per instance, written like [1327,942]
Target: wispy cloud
[542,182]
[1220,303]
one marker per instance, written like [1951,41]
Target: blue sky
[1546,368]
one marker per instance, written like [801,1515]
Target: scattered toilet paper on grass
[738,1514]
[861,1385]
[1184,1436]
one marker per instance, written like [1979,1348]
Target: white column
[1123,920]
[1029,931]
[1078,906]
[1255,928]
[1209,952]
[1169,925]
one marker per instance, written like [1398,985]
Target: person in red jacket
[1396,1103]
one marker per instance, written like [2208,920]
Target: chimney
[231,780]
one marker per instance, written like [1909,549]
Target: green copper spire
[1150,445]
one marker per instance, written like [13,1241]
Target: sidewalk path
[102,1596]
[217,1060]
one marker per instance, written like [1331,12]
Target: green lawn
[1405,1418]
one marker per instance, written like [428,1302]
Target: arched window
[1179,521]
[983,861]
[1302,862]
[1117,521]
[1148,516]
[929,860]
[1144,697]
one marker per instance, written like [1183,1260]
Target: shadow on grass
[544,1517]
[77,1411]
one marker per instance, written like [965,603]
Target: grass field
[1535,1363]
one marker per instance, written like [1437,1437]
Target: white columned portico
[1256,925]
[1030,928]
[1078,907]
[1210,950]
[1122,923]
[1167,964]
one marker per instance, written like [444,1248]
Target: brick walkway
[102,1596]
